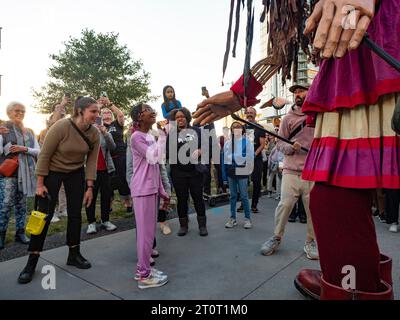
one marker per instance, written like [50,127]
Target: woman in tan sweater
[68,156]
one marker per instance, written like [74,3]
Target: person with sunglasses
[19,142]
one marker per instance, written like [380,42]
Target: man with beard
[293,127]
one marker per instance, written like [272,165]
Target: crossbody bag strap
[297,130]
[89,143]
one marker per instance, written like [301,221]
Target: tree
[90,65]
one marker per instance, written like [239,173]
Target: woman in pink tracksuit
[145,187]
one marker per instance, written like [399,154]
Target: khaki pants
[292,188]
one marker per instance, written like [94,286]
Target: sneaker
[240,209]
[108,226]
[91,228]
[152,262]
[278,197]
[155,272]
[152,281]
[55,219]
[155,254]
[231,223]
[269,194]
[270,246]
[382,219]
[310,248]
[247,224]
[393,227]
[62,213]
[254,210]
[165,229]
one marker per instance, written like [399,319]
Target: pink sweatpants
[146,222]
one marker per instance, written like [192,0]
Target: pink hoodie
[293,162]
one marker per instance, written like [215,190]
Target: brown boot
[202,220]
[308,281]
[332,292]
[183,230]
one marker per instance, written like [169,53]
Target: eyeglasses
[149,109]
[19,111]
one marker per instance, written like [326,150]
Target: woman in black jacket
[186,171]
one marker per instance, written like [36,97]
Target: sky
[180,42]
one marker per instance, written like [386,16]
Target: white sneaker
[247,224]
[152,281]
[166,230]
[55,219]
[63,213]
[231,223]
[310,248]
[393,227]
[108,226]
[270,246]
[91,229]
[155,272]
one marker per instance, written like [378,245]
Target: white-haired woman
[18,142]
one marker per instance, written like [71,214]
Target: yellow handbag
[37,220]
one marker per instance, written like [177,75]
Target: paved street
[224,265]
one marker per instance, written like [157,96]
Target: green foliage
[92,64]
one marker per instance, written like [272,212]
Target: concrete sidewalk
[225,265]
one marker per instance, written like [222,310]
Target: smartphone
[204,92]
[99,121]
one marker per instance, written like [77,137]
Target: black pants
[162,215]
[265,173]
[392,203]
[207,179]
[221,185]
[103,184]
[74,184]
[256,178]
[184,185]
[119,178]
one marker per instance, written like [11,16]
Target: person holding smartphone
[105,167]
[115,126]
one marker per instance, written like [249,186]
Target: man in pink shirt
[293,127]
